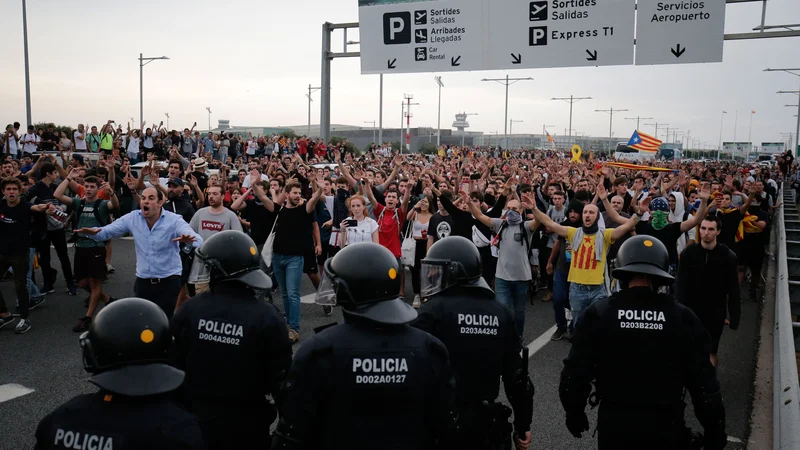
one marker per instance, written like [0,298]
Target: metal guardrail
[786,397]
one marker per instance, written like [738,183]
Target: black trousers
[59,240]
[163,292]
[544,256]
[489,264]
[19,263]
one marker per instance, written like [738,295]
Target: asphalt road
[47,361]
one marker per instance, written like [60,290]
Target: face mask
[513,217]
[490,200]
[341,194]
[658,219]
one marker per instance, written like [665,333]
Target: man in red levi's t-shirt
[390,218]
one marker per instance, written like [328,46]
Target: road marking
[541,341]
[12,391]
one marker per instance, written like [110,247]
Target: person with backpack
[90,255]
[513,237]
[390,223]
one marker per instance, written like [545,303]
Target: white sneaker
[417,302]
[23,326]
[110,268]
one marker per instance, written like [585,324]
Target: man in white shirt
[30,141]
[79,139]
[9,142]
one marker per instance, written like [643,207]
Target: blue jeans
[288,270]
[583,295]
[33,290]
[513,295]
[560,296]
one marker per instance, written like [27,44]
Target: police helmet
[364,279]
[232,255]
[451,261]
[126,349]
[643,255]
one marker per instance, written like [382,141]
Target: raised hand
[185,239]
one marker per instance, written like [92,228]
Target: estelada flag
[644,142]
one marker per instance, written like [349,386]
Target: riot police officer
[126,351]
[643,349]
[373,382]
[232,345]
[483,343]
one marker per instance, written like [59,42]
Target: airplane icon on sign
[420,17]
[421,36]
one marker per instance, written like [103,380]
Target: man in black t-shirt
[293,225]
[441,224]
[15,223]
[261,221]
[49,140]
[42,192]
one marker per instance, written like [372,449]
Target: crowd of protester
[541,220]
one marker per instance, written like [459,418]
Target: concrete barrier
[786,398]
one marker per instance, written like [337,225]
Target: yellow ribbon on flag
[576,154]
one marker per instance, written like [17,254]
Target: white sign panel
[680,31]
[737,148]
[773,147]
[415,36]
[560,33]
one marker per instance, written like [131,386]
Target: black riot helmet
[452,261]
[126,349]
[232,256]
[364,279]
[643,255]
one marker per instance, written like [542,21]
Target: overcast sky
[251,61]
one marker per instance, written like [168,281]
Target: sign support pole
[380,115]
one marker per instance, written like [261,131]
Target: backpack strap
[96,212]
[76,214]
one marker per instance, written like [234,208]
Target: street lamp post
[798,110]
[793,72]
[311,90]
[27,72]
[403,116]
[637,119]
[507,82]
[143,62]
[208,108]
[656,125]
[610,112]
[571,100]
[439,120]
[721,121]
[511,125]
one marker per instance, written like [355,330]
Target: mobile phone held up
[352,222]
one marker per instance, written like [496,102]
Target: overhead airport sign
[432,36]
[560,33]
[411,36]
[679,32]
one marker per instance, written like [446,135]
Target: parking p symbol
[397,28]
